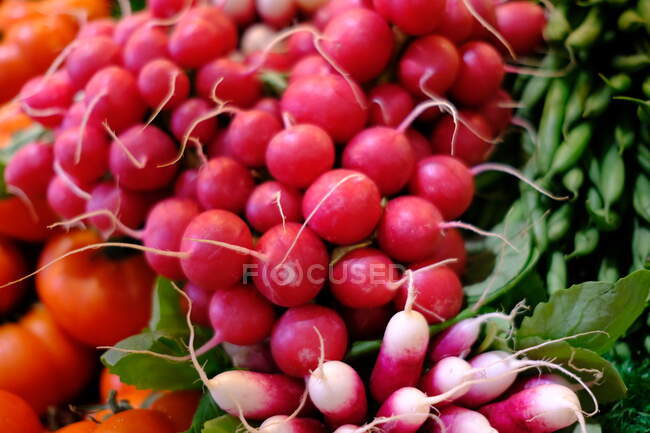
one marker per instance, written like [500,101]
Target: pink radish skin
[185,186]
[254,395]
[184,116]
[487,10]
[238,83]
[63,200]
[248,136]
[480,75]
[500,373]
[200,299]
[255,357]
[129,24]
[166,8]
[412,407]
[277,13]
[338,393]
[89,57]
[273,203]
[241,11]
[130,207]
[295,342]
[93,161]
[155,84]
[337,198]
[456,340]
[497,112]
[543,409]
[420,145]
[30,169]
[414,17]
[456,24]
[537,380]
[460,420]
[145,44]
[367,323]
[290,270]
[450,246]
[446,374]
[402,353]
[196,39]
[212,266]
[223,183]
[300,44]
[100,27]
[471,145]
[40,96]
[521,23]
[285,424]
[336,7]
[390,104]
[310,65]
[269,105]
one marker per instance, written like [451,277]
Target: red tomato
[179,406]
[137,421]
[79,427]
[12,267]
[16,416]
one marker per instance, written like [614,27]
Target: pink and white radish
[447,374]
[289,424]
[457,419]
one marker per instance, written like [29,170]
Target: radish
[167,8]
[163,85]
[543,409]
[335,7]
[298,155]
[295,339]
[313,64]
[333,203]
[311,5]
[497,366]
[129,207]
[290,265]
[255,357]
[432,62]
[521,23]
[484,16]
[29,171]
[528,382]
[185,186]
[447,374]
[407,407]
[200,299]
[460,420]
[336,105]
[100,27]
[473,142]
[89,56]
[419,144]
[456,24]
[273,203]
[450,246]
[248,136]
[390,104]
[269,105]
[300,45]
[239,11]
[185,115]
[287,424]
[145,44]
[64,200]
[223,183]
[414,17]
[364,278]
[277,13]
[360,42]
[256,38]
[45,98]
[366,323]
[93,161]
[480,75]
[237,82]
[498,111]
[129,24]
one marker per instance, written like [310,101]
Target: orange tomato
[97,300]
[14,11]
[93,8]
[136,399]
[15,70]
[79,427]
[111,382]
[16,416]
[136,421]
[179,406]
[12,267]
[17,221]
[12,120]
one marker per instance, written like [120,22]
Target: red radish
[129,24]
[486,10]
[383,154]
[100,27]
[292,265]
[257,37]
[366,323]
[129,207]
[311,5]
[167,8]
[473,139]
[30,169]
[300,44]
[295,342]
[277,13]
[338,393]
[447,374]
[255,395]
[45,99]
[360,42]
[200,300]
[480,75]
[239,11]
[137,154]
[431,62]
[521,23]
[164,230]
[112,95]
[63,199]
[498,111]
[89,56]
[364,278]
[92,163]
[420,145]
[298,155]
[273,61]
[500,368]
[218,146]
[440,292]
[223,183]
[460,420]
[237,84]
[456,24]
[273,203]
[255,357]
[269,105]
[310,65]
[184,116]
[331,102]
[390,104]
[163,85]
[145,44]
[450,246]
[543,409]
[248,136]
[414,17]
[287,424]
[335,7]
[212,266]
[75,116]
[196,39]
[333,203]
[185,186]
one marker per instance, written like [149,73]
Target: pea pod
[594,171]
[557,28]
[624,134]
[559,222]
[588,31]
[537,85]
[597,102]
[612,181]
[550,129]
[619,83]
[576,105]
[573,180]
[608,271]
[605,219]
[556,279]
[572,149]
[585,242]
[641,198]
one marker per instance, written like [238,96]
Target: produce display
[313,216]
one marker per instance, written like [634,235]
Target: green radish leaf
[206,411]
[590,306]
[166,314]
[222,424]
[584,363]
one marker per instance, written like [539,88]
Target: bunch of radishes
[164,132]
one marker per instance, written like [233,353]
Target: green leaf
[222,424]
[166,314]
[579,360]
[590,306]
[206,411]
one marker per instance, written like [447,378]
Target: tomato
[97,300]
[25,367]
[16,416]
[136,421]
[179,406]
[15,70]
[111,382]
[72,362]
[79,427]
[93,8]
[14,11]
[17,220]
[12,120]
[12,267]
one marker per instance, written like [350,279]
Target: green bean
[585,242]
[570,152]
[619,83]
[537,86]
[573,180]
[641,198]
[550,127]
[631,62]
[612,181]
[588,31]
[556,279]
[608,271]
[604,218]
[597,102]
[557,28]
[576,104]
[630,21]
[559,222]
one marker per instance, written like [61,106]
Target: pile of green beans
[591,107]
